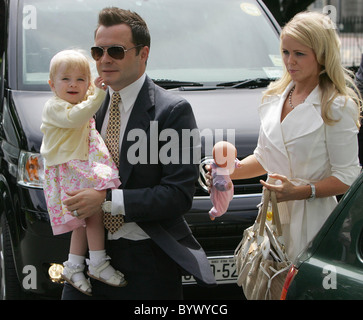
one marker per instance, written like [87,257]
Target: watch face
[107,206]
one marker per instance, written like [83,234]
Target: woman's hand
[285,190]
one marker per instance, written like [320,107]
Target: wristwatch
[107,204]
[313,192]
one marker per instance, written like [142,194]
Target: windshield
[204,41]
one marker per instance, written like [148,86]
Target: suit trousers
[150,273]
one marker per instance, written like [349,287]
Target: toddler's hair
[72,59]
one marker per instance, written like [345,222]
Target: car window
[208,41]
[359,213]
[351,230]
[360,246]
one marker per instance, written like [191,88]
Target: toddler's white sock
[76,261]
[96,259]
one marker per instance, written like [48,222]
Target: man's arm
[170,194]
[154,192]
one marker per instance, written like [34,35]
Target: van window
[215,41]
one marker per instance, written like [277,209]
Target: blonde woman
[308,135]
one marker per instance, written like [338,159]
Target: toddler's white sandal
[116,280]
[82,285]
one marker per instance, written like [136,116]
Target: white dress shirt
[128,95]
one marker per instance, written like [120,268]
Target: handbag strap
[276,215]
[267,197]
[263,213]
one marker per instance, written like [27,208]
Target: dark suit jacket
[157,195]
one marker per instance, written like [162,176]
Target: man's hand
[87,202]
[208,176]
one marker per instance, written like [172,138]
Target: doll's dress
[220,195]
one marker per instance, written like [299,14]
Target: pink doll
[221,191]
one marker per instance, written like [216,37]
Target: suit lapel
[139,119]
[100,114]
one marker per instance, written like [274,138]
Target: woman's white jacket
[304,149]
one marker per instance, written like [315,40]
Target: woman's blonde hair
[315,30]
[72,59]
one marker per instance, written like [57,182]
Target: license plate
[224,270]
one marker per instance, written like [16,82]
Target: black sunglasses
[115,52]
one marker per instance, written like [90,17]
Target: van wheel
[9,284]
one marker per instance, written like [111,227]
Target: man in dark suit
[155,245]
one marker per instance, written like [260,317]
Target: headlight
[31,170]
[55,272]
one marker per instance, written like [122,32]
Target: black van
[218,54]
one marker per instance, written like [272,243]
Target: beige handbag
[261,261]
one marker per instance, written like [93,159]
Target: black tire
[10,288]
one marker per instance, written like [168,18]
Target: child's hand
[99,83]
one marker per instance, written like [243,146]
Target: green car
[331,266]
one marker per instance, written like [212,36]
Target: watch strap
[109,195]
[313,192]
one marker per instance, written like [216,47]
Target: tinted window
[360,245]
[209,41]
[351,230]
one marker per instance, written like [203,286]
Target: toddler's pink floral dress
[99,172]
